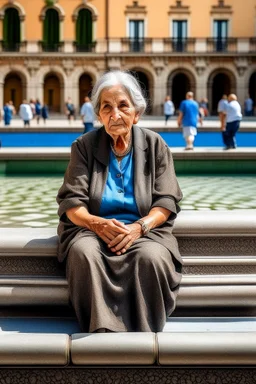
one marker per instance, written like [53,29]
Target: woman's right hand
[108,229]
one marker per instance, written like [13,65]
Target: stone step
[195,291]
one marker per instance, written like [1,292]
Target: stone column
[159,86]
[2,94]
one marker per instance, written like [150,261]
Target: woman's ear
[136,118]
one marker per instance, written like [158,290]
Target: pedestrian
[203,107]
[87,115]
[33,107]
[168,108]
[38,109]
[25,113]
[70,110]
[7,114]
[44,112]
[12,108]
[188,118]
[221,111]
[233,118]
[248,106]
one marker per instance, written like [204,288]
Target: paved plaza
[30,201]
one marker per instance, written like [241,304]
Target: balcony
[152,46]
[179,45]
[12,47]
[84,47]
[136,45]
[227,44]
[54,47]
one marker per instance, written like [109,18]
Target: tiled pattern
[30,202]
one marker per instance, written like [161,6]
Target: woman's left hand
[122,242]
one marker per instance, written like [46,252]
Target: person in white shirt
[233,117]
[25,113]
[221,111]
[168,108]
[87,114]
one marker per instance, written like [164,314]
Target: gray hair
[127,81]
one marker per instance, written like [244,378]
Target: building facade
[56,49]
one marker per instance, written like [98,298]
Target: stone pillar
[1,94]
[159,86]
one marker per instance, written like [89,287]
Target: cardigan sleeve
[166,190]
[74,191]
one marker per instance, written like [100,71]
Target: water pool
[30,201]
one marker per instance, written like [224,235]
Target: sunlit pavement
[30,201]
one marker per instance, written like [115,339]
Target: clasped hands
[118,236]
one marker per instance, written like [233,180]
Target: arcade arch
[178,84]
[220,82]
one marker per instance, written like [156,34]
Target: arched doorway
[52,92]
[220,86]
[177,87]
[252,88]
[13,89]
[220,82]
[146,88]
[51,34]
[84,31]
[85,87]
[11,30]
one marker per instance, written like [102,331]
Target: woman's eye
[123,105]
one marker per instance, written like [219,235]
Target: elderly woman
[117,206]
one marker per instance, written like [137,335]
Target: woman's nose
[115,115]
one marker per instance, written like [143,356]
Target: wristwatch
[144,227]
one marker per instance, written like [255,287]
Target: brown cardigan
[155,184]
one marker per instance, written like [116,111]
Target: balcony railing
[171,46]
[179,45]
[137,45]
[84,47]
[12,47]
[54,47]
[227,44]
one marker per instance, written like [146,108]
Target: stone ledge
[34,349]
[195,291]
[43,241]
[63,153]
[206,348]
[129,349]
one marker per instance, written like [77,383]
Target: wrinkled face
[117,113]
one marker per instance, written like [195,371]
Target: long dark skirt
[132,292]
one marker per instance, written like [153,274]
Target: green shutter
[84,28]
[11,27]
[51,33]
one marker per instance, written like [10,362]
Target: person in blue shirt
[7,114]
[38,109]
[248,106]
[188,118]
[87,115]
[44,112]
[117,206]
[168,108]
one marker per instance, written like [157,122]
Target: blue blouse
[118,200]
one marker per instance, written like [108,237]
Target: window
[51,41]
[11,32]
[84,31]
[136,35]
[220,34]
[179,33]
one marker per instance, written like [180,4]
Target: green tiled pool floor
[30,201]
